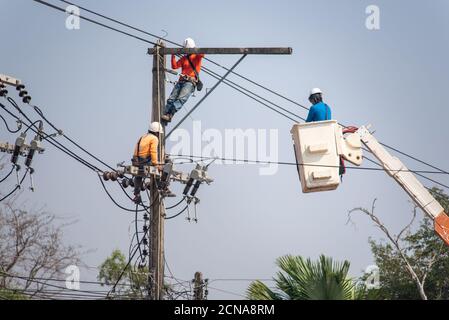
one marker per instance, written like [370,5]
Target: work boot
[166,117]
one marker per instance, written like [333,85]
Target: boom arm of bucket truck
[407,180]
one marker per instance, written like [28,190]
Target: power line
[300,164]
[7,176]
[60,146]
[16,188]
[235,73]
[7,126]
[179,213]
[49,138]
[205,96]
[245,78]
[96,22]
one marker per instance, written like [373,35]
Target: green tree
[413,264]
[300,279]
[131,282]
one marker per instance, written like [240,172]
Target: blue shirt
[319,112]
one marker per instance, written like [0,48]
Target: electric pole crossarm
[167,51]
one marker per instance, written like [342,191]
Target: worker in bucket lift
[322,112]
[187,83]
[319,110]
[146,153]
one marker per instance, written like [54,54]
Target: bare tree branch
[395,241]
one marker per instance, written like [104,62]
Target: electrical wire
[51,140]
[95,22]
[175,215]
[227,69]
[7,176]
[300,164]
[17,186]
[220,80]
[113,200]
[177,204]
[7,126]
[60,146]
[35,280]
[137,232]
[122,272]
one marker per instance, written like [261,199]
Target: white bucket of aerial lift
[317,154]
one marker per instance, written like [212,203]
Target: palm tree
[301,279]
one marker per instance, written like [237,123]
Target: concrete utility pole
[156,254]
[198,286]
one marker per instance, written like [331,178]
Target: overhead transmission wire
[63,148]
[7,176]
[125,33]
[126,266]
[49,138]
[301,164]
[221,66]
[220,80]
[19,127]
[177,214]
[37,281]
[16,187]
[49,279]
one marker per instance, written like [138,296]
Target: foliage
[301,279]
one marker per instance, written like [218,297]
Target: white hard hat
[156,127]
[314,91]
[189,43]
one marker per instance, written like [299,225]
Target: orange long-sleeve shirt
[185,65]
[147,148]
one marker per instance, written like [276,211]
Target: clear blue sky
[96,85]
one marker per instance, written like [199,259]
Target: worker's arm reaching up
[176,64]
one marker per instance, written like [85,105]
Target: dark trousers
[139,162]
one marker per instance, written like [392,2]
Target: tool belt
[140,162]
[186,78]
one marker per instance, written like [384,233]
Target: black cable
[67,151]
[49,138]
[217,64]
[43,283]
[124,269]
[174,206]
[119,22]
[235,86]
[51,279]
[113,200]
[412,157]
[32,125]
[137,232]
[17,187]
[418,173]
[40,113]
[228,83]
[6,177]
[96,22]
[145,208]
[174,216]
[220,80]
[7,126]
[302,164]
